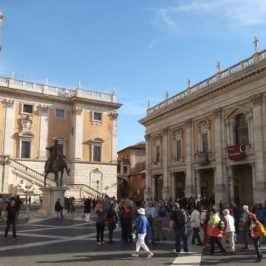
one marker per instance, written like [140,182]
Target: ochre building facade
[83,122]
[210,139]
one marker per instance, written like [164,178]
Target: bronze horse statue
[56,163]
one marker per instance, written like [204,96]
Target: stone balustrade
[55,91]
[256,58]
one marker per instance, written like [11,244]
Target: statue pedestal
[49,198]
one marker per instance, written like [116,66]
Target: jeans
[195,235]
[217,240]
[99,230]
[13,223]
[152,230]
[181,233]
[257,247]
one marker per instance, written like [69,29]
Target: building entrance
[206,182]
[242,184]
[179,184]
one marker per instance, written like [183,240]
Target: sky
[139,48]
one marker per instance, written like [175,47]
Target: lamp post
[97,185]
[229,179]
[195,185]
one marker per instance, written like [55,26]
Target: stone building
[210,139]
[131,171]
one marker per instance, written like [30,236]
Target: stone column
[189,159]
[44,122]
[9,127]
[172,186]
[148,179]
[114,137]
[165,154]
[259,190]
[78,132]
[220,171]
[197,183]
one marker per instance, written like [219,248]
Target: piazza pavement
[71,241]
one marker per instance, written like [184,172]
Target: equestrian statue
[55,163]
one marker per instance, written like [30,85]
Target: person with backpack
[126,220]
[257,231]
[178,222]
[215,231]
[204,219]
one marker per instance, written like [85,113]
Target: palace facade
[210,139]
[84,122]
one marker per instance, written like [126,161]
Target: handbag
[260,229]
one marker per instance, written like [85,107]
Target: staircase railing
[87,189]
[34,175]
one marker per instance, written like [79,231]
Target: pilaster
[9,127]
[259,184]
[44,122]
[148,179]
[78,132]
[165,152]
[189,159]
[113,117]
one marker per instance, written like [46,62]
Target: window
[97,116]
[60,113]
[97,150]
[241,130]
[125,169]
[178,150]
[25,149]
[204,141]
[157,155]
[27,108]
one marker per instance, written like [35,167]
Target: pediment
[238,110]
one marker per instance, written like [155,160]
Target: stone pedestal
[49,198]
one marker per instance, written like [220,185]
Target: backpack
[180,217]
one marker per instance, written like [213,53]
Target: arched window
[241,129]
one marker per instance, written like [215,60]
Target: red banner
[236,152]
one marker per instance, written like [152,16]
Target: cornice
[248,74]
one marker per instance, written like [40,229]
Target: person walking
[256,235]
[195,225]
[58,208]
[112,221]
[141,229]
[246,226]
[87,209]
[178,222]
[229,231]
[11,219]
[215,232]
[100,222]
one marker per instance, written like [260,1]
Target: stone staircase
[37,178]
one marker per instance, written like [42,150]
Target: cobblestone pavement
[67,241]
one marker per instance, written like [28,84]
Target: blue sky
[140,48]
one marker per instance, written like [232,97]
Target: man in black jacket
[58,208]
[11,218]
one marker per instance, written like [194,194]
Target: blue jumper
[142,225]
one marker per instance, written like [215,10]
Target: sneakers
[150,255]
[175,252]
[135,254]
[16,238]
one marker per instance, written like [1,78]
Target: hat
[141,211]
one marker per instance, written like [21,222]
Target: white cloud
[210,16]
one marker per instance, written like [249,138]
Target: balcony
[203,158]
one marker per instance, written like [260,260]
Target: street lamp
[229,179]
[195,185]
[97,184]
